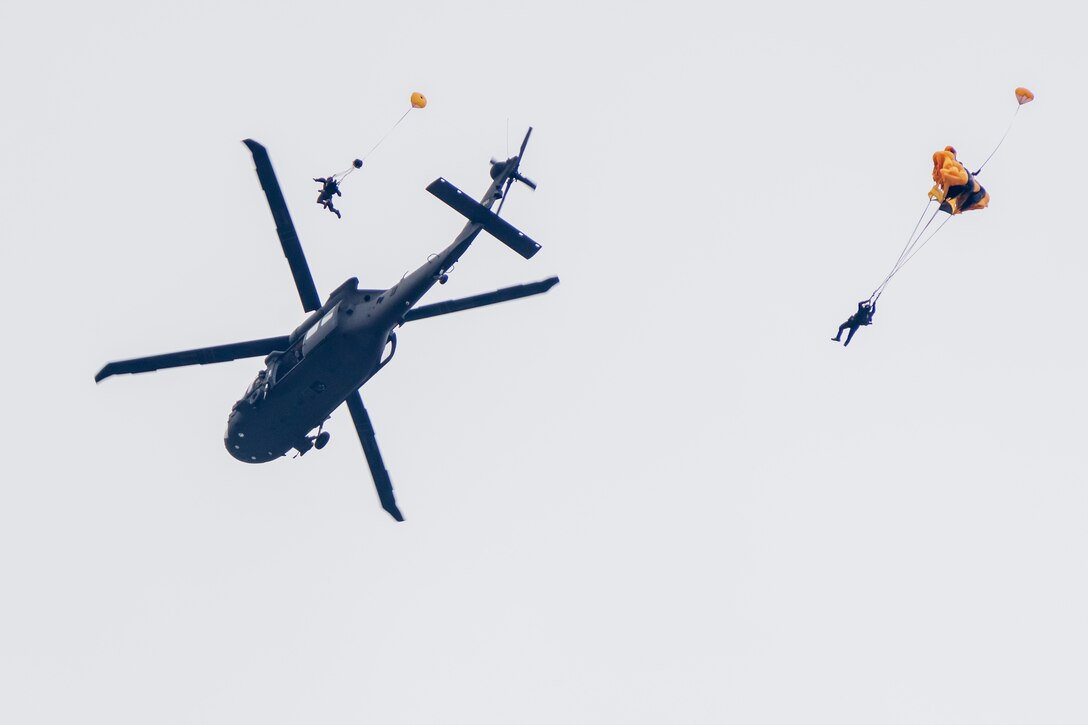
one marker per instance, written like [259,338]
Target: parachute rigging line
[910,240]
[914,250]
[915,235]
[387,134]
[1007,129]
[939,226]
[347,172]
[1023,95]
[417,100]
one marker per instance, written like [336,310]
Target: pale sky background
[657,494]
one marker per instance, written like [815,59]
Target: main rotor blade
[488,298]
[365,430]
[199,356]
[524,143]
[285,228]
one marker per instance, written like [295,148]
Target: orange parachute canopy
[419,100]
[1023,95]
[955,188]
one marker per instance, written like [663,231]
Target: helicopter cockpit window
[256,389]
[318,332]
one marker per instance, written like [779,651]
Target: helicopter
[346,340]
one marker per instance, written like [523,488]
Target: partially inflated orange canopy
[954,186]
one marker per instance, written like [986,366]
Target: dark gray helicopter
[323,363]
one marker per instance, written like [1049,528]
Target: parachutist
[864,316]
[329,187]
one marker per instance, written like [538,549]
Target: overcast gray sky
[657,493]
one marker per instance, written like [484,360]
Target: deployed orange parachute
[955,188]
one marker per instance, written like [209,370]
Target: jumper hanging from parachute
[955,190]
[330,185]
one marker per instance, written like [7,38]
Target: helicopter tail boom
[477,213]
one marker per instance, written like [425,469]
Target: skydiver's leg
[849,336]
[838,335]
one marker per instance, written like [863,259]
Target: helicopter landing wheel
[321,440]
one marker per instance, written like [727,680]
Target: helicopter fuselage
[331,355]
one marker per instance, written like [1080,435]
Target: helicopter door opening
[286,363]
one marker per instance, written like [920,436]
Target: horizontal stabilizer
[488,298]
[477,213]
[199,356]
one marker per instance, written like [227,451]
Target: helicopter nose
[243,448]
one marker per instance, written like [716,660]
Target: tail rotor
[498,167]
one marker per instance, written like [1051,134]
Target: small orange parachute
[1023,95]
[955,187]
[419,100]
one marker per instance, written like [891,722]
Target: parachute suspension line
[915,250]
[367,154]
[343,174]
[347,172]
[1007,129]
[939,226]
[911,241]
[914,234]
[906,252]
